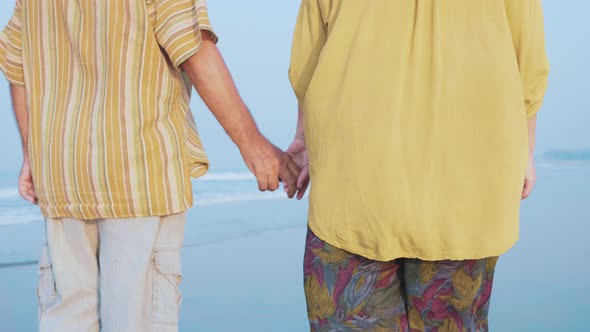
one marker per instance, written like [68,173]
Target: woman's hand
[530,178]
[298,151]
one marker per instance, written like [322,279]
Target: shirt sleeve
[526,23]
[178,26]
[11,54]
[308,41]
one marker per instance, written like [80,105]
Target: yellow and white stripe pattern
[111,134]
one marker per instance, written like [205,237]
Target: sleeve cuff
[533,109]
[12,77]
[190,45]
[297,89]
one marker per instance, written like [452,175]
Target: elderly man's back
[110,109]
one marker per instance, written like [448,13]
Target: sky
[256,43]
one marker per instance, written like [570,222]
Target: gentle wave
[227,177]
[9,193]
[219,199]
[20,215]
[12,192]
[26,215]
[576,165]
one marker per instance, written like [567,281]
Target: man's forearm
[19,103]
[212,80]
[532,127]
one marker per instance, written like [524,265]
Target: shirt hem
[402,253]
[61,212]
[199,170]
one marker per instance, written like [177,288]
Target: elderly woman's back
[415,119]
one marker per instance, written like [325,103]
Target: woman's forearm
[532,126]
[300,132]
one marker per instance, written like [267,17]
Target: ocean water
[216,196]
[243,255]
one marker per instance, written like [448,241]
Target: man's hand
[530,178]
[270,165]
[26,188]
[298,151]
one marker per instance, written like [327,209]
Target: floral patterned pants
[347,292]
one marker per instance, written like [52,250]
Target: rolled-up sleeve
[528,33]
[11,52]
[178,27]
[308,41]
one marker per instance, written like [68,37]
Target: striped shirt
[111,134]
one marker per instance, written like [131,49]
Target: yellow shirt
[111,134]
[416,122]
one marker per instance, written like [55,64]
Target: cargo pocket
[46,291]
[166,281]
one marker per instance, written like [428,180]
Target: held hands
[270,165]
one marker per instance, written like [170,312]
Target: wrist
[245,132]
[250,139]
[300,137]
[531,156]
